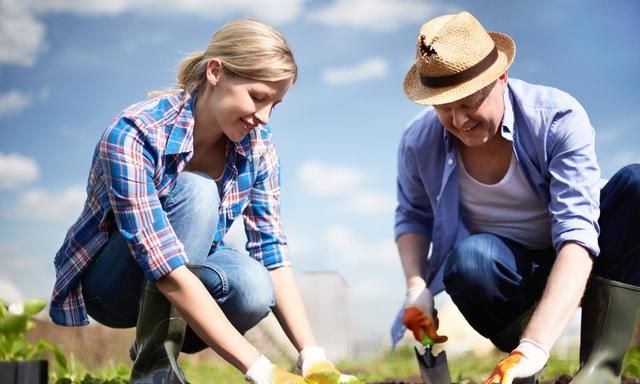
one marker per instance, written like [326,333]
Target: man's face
[475,119]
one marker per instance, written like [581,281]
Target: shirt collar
[508,120]
[180,138]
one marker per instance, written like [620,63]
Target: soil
[564,379]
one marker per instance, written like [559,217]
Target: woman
[168,178]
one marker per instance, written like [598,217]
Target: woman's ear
[214,71]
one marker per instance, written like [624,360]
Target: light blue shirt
[553,142]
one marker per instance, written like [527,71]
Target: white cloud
[21,34]
[17,170]
[320,179]
[371,203]
[350,250]
[376,15]
[371,68]
[276,11]
[42,205]
[9,292]
[13,102]
[626,157]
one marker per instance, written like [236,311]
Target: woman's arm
[187,293]
[289,309]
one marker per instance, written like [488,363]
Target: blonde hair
[247,48]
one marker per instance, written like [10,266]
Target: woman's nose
[263,114]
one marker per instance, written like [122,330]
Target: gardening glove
[526,360]
[315,367]
[420,316]
[264,372]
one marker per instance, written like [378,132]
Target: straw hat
[456,57]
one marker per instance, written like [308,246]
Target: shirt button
[450,162]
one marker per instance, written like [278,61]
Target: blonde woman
[168,178]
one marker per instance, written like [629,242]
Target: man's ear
[214,71]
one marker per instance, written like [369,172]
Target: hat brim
[421,94]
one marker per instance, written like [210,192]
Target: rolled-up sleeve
[414,213]
[266,241]
[129,167]
[574,185]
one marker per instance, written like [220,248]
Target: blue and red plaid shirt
[134,167]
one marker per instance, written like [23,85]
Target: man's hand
[420,316]
[317,369]
[526,360]
[264,372]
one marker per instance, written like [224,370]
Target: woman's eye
[257,98]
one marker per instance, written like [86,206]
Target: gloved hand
[264,372]
[420,316]
[315,367]
[526,360]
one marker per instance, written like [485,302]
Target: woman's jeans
[240,285]
[493,280]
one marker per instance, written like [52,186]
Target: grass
[384,366]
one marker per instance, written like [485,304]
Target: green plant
[15,322]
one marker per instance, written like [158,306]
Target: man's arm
[413,249]
[561,296]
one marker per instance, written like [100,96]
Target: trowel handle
[426,341]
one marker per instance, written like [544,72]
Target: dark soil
[564,379]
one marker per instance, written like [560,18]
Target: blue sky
[68,67]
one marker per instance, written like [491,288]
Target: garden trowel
[433,369]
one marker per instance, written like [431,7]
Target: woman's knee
[195,196]
[241,286]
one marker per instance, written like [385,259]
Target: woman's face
[237,105]
[475,119]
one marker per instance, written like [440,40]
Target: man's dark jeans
[493,280]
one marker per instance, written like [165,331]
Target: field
[397,367]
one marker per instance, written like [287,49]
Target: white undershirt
[508,208]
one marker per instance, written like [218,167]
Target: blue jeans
[240,285]
[493,280]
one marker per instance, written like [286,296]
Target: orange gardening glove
[264,372]
[526,360]
[316,368]
[420,316]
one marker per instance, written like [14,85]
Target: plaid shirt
[134,167]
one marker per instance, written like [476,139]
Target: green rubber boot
[609,311]
[159,336]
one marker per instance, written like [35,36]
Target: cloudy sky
[68,67]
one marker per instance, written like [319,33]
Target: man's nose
[459,118]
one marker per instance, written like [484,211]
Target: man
[500,179]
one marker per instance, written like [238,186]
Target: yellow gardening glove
[264,372]
[420,316]
[526,360]
[316,368]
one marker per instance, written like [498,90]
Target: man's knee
[469,262]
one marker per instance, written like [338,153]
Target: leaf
[4,310]
[61,358]
[15,325]
[33,306]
